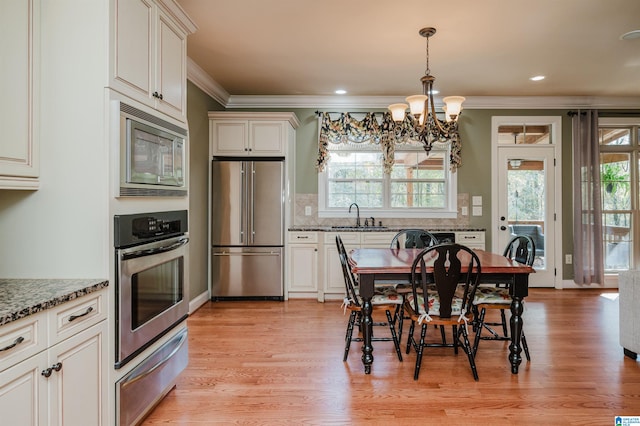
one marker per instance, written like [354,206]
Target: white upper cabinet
[149,54]
[251,134]
[19,77]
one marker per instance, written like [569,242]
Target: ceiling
[371,48]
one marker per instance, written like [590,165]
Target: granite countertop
[391,228]
[23,297]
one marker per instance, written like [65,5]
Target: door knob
[503,228]
[502,218]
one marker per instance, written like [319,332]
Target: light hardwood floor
[277,363]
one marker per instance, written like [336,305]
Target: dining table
[388,264]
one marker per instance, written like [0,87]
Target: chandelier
[422,123]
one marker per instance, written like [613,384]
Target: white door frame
[556,139]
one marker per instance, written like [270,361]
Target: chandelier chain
[427,71]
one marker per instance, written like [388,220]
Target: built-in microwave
[152,155]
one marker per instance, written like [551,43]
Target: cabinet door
[78,389]
[303,272]
[266,138]
[23,393]
[132,66]
[229,137]
[171,78]
[333,277]
[19,69]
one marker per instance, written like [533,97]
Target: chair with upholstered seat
[455,271]
[522,249]
[413,238]
[384,300]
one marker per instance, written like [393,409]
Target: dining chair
[411,238]
[456,272]
[522,249]
[384,299]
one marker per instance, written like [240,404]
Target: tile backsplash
[311,200]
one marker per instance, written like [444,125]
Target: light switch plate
[477,211]
[476,200]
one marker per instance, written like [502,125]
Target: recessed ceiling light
[340,92]
[630,35]
[537,78]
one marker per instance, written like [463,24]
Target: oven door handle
[158,250]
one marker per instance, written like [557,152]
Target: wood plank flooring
[280,363]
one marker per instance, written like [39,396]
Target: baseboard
[198,301]
[610,281]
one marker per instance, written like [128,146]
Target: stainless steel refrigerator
[247,229]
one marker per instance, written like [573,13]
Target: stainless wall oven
[150,287]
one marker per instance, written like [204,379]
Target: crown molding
[208,85]
[471,102]
[204,82]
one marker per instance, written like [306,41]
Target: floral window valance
[385,133]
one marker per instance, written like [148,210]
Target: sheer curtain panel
[588,263]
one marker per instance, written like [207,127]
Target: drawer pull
[87,312]
[303,237]
[14,344]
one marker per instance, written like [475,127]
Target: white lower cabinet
[302,260]
[23,393]
[66,382]
[471,239]
[314,266]
[332,277]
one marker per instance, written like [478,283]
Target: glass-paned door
[526,205]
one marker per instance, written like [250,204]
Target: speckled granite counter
[22,297]
[391,228]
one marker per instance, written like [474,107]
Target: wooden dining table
[385,264]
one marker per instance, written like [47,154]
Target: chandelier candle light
[425,126]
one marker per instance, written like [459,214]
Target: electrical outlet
[464,211]
[307,210]
[568,259]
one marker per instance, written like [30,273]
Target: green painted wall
[198,105]
[474,176]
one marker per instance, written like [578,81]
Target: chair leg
[455,339]
[479,328]
[444,336]
[467,348]
[410,340]
[419,350]
[394,336]
[505,333]
[523,340]
[400,320]
[347,338]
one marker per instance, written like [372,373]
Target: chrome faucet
[357,213]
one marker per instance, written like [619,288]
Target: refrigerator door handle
[243,203]
[262,253]
[251,192]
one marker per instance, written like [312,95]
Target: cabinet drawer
[22,338]
[72,317]
[303,237]
[469,237]
[348,238]
[380,239]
